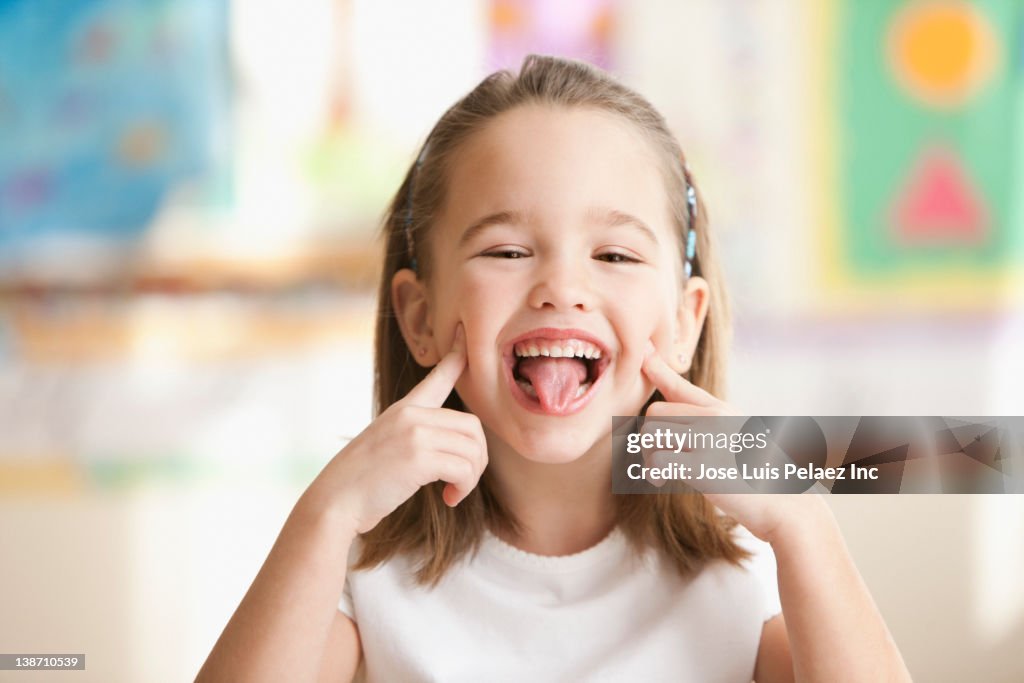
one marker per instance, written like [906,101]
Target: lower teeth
[527,388]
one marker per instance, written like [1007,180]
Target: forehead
[557,163]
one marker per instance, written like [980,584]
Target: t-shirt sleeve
[346,604]
[761,564]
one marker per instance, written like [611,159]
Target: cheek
[458,296]
[647,316]
[481,311]
[484,312]
[483,298]
[648,308]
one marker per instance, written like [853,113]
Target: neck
[562,508]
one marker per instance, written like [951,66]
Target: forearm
[835,630]
[279,630]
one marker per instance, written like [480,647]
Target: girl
[549,257]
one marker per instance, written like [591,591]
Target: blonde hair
[685,527]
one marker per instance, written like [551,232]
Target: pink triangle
[939,204]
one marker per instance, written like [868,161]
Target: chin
[555,446]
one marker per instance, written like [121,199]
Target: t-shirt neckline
[608,547]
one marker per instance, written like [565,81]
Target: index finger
[432,391]
[674,387]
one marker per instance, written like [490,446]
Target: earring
[683,359]
[423,350]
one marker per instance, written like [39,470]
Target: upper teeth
[565,348]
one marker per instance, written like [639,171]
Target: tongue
[556,380]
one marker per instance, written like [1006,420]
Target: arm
[282,627]
[774,660]
[288,627]
[834,629]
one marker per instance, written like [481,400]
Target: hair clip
[408,209]
[691,233]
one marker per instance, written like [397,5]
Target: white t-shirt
[604,614]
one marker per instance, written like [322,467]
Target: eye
[616,257]
[506,253]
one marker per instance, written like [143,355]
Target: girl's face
[557,251]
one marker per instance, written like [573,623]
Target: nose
[563,284]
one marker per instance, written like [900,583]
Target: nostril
[562,290]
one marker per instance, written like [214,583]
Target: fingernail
[460,333]
[650,348]
[446,496]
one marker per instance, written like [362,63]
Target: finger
[696,449]
[671,432]
[436,386]
[466,425]
[458,473]
[465,447]
[673,386]
[469,425]
[681,410]
[456,420]
[425,438]
[446,455]
[657,460]
[669,450]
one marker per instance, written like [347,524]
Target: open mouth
[555,376]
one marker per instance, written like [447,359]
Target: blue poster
[106,105]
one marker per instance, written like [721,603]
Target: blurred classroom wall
[189,193]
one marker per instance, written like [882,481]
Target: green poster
[928,119]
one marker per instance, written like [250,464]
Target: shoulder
[761,571]
[749,587]
[761,554]
[383,579]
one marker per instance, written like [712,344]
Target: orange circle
[942,52]
[142,145]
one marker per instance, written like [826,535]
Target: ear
[693,310]
[412,310]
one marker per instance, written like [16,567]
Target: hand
[764,514]
[412,443]
[681,395]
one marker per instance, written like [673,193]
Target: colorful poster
[581,29]
[104,107]
[927,119]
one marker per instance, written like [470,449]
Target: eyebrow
[614,218]
[611,218]
[499,218]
